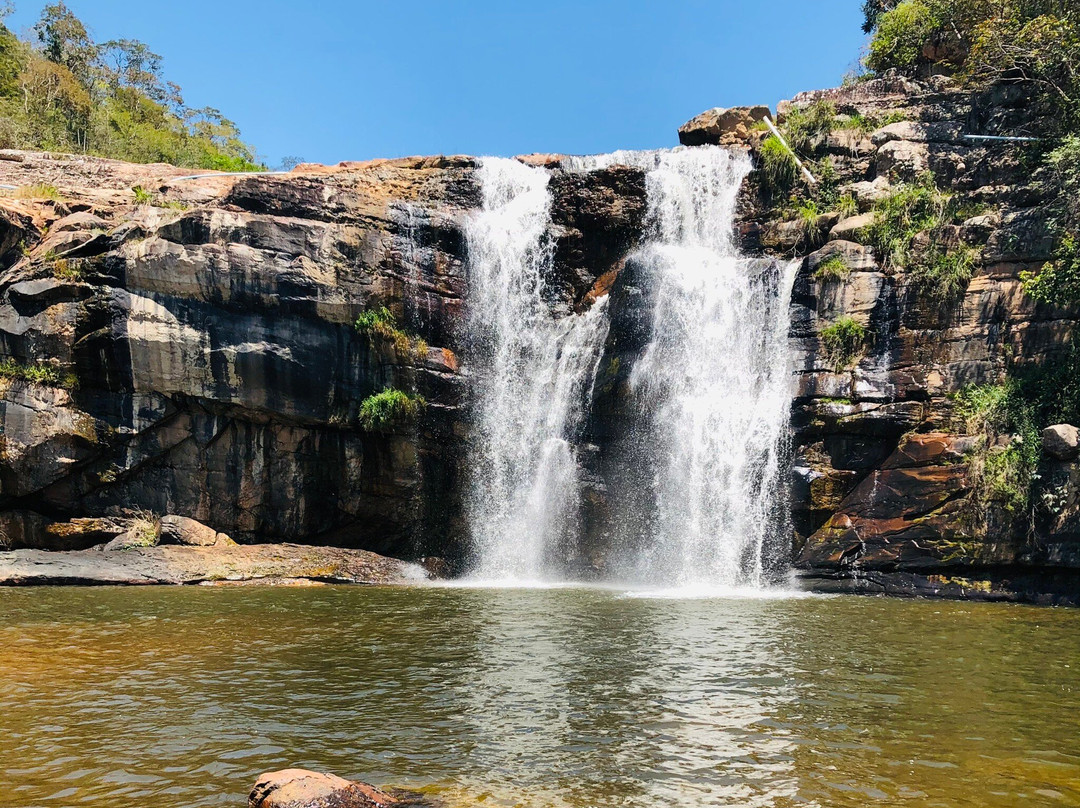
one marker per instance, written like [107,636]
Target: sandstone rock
[83,220]
[852,228]
[902,159]
[868,192]
[299,788]
[182,530]
[720,126]
[1061,441]
[919,132]
[857,258]
[83,532]
[177,564]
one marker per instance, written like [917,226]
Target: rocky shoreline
[269,564]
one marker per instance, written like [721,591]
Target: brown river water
[544,697]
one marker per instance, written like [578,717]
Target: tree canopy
[61,91]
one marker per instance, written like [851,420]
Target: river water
[536,697]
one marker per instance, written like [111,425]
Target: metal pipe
[228,174]
[1016,139]
[784,143]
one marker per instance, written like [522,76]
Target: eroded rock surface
[299,788]
[196,354]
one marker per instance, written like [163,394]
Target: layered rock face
[187,346]
[886,492]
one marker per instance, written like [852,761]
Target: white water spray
[531,374]
[714,381]
[712,388]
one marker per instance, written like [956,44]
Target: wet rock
[720,126]
[299,788]
[1061,441]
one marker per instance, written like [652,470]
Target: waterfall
[531,373]
[704,499]
[713,382]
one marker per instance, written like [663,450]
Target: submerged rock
[300,788]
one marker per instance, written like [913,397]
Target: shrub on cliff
[843,342]
[380,323]
[984,41]
[1002,464]
[907,234]
[61,91]
[388,409]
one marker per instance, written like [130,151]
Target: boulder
[1061,441]
[299,788]
[725,127]
[182,530]
[851,229]
[83,532]
[83,220]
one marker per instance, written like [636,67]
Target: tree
[872,11]
[65,41]
[130,63]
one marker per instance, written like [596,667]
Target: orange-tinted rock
[299,788]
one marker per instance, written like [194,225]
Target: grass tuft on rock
[381,324]
[833,268]
[778,165]
[389,409]
[843,342]
[1002,465]
[38,373]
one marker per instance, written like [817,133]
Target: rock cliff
[893,488]
[179,345]
[189,346]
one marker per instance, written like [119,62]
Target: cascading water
[710,390]
[531,372]
[714,381]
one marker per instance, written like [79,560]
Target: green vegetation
[66,270]
[380,323]
[61,91]
[145,530]
[145,197]
[37,192]
[38,373]
[388,409]
[804,126]
[1002,468]
[778,164]
[843,342]
[858,122]
[1058,282]
[847,206]
[943,273]
[939,268]
[142,196]
[982,42]
[833,268]
[1053,386]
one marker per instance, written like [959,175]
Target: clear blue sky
[333,80]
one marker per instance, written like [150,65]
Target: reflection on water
[557,697]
